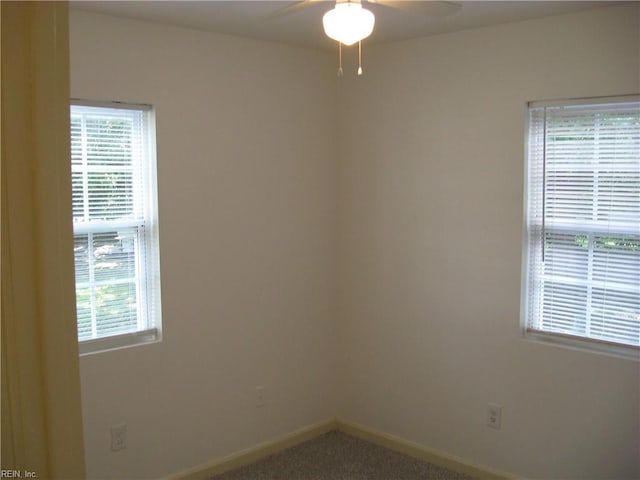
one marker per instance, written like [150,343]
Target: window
[115,225]
[582,239]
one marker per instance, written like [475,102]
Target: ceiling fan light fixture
[348,22]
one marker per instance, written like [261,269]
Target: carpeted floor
[337,456]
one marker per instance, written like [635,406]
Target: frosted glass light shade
[348,23]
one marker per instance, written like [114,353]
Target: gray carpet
[337,456]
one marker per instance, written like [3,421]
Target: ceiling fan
[349,22]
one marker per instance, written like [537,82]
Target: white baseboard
[392,442]
[245,457]
[421,452]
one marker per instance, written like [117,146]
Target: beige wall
[431,188]
[414,205]
[246,173]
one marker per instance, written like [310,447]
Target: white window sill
[597,346]
[115,342]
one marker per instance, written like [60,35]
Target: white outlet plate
[118,437]
[494,416]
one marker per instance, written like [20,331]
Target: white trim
[630,352]
[253,454]
[147,262]
[82,228]
[415,450]
[421,452]
[115,342]
[531,223]
[564,102]
[111,104]
[42,422]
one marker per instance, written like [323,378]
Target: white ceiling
[303,27]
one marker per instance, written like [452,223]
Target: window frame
[147,258]
[550,337]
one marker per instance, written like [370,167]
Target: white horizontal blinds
[107,149]
[109,155]
[584,207]
[106,283]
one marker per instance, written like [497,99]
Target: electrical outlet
[494,416]
[260,396]
[119,437]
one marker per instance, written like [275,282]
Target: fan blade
[293,8]
[431,8]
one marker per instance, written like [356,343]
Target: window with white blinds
[115,225]
[582,255]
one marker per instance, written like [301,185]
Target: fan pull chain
[360,58]
[340,59]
